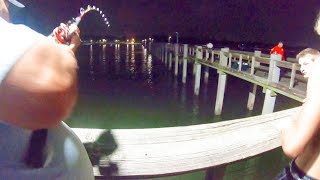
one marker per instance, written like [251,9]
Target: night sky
[291,21]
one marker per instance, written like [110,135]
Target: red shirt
[278,50]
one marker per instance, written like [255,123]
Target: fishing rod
[63,35]
[36,154]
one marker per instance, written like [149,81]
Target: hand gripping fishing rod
[36,153]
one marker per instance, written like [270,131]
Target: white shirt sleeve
[14,41]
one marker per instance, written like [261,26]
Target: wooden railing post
[170,59]
[185,63]
[194,53]
[163,46]
[206,71]
[273,76]
[253,61]
[176,64]
[257,54]
[221,82]
[197,68]
[230,60]
[240,63]
[252,94]
[166,53]
[293,75]
[212,56]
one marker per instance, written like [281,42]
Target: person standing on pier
[300,138]
[38,89]
[278,49]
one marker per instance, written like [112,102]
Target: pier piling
[185,63]
[197,70]
[206,71]
[176,64]
[221,82]
[252,94]
[274,75]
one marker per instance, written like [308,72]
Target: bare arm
[40,89]
[298,134]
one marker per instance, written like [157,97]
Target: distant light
[97,9]
[102,15]
[93,7]
[105,19]
[210,45]
[100,12]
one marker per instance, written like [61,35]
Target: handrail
[157,152]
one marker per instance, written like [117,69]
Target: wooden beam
[158,152]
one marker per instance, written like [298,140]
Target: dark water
[123,86]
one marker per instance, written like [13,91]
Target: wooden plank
[293,75]
[157,152]
[263,60]
[252,65]
[240,62]
[284,64]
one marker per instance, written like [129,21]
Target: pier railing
[260,67]
[158,152]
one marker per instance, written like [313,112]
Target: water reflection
[117,57]
[183,97]
[104,59]
[127,58]
[132,60]
[144,61]
[146,65]
[175,89]
[149,71]
[195,109]
[91,64]
[205,91]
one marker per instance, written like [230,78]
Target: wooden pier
[158,152]
[262,70]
